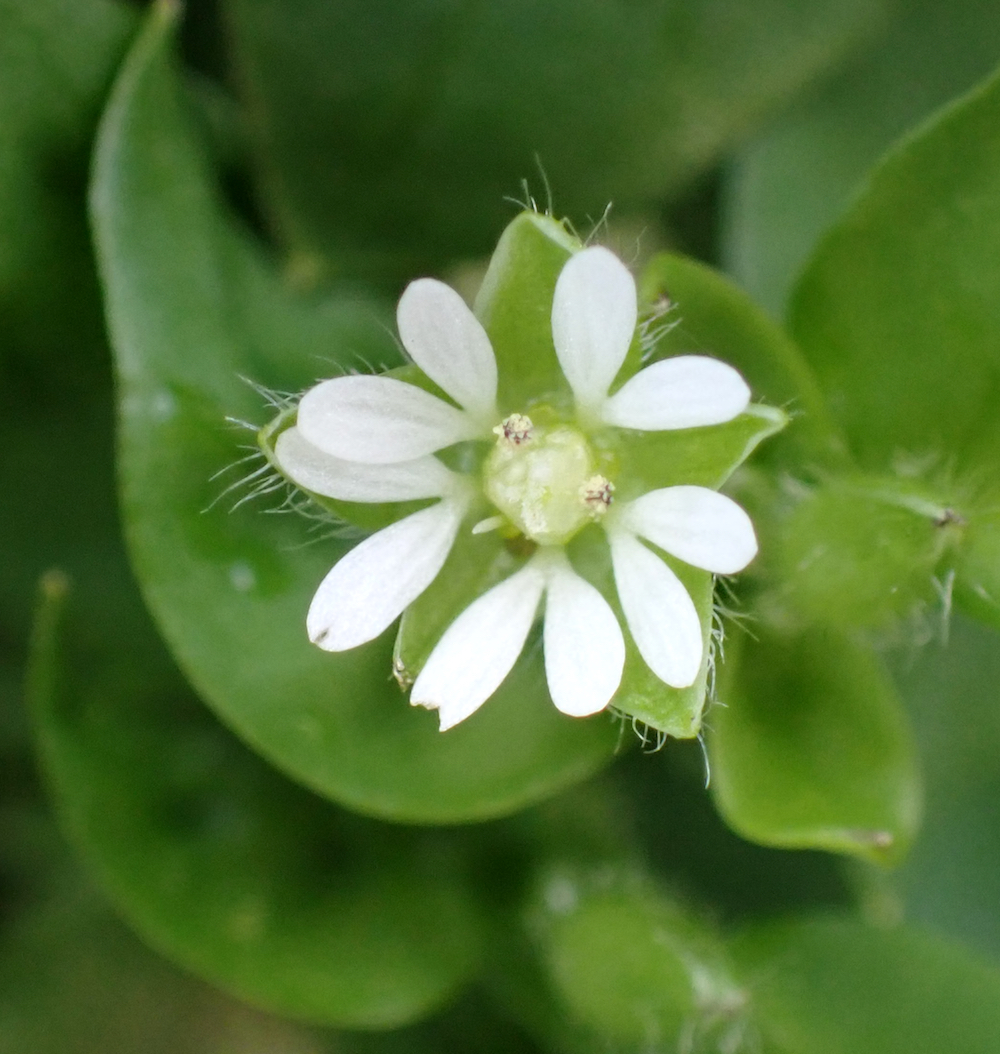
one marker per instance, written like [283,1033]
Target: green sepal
[642,696]
[810,747]
[703,457]
[476,563]
[514,304]
[698,311]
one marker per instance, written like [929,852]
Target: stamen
[515,429]
[597,493]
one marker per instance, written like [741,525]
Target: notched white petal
[660,613]
[379,420]
[684,392]
[593,321]
[322,473]
[584,647]
[370,586]
[447,341]
[479,648]
[697,525]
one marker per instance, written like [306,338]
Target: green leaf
[811,748]
[792,182]
[405,127]
[191,308]
[701,312]
[835,986]
[514,304]
[243,877]
[897,310]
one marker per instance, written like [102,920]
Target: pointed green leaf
[703,313]
[951,879]
[836,986]
[897,310]
[192,308]
[810,748]
[240,875]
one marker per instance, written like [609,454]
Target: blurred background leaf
[896,312]
[835,986]
[793,180]
[392,132]
[245,878]
[810,747]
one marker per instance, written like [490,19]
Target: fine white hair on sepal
[257,477]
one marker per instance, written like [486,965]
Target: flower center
[544,480]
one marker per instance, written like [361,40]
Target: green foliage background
[240,189]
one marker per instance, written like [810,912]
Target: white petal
[378,420]
[312,469]
[696,525]
[683,392]
[660,613]
[584,647]
[479,648]
[447,341]
[369,587]
[593,321]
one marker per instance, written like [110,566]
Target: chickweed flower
[535,476]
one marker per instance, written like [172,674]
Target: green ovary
[545,484]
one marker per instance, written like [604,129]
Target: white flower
[372,439]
